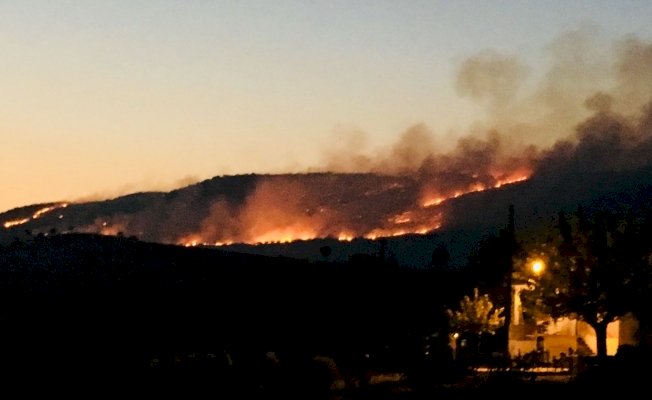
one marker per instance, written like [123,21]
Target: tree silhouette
[476,317]
[325,251]
[593,269]
[440,257]
[491,269]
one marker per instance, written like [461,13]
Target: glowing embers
[287,211]
[286,235]
[45,210]
[510,180]
[437,199]
[16,222]
[434,201]
[346,236]
[39,213]
[193,241]
[381,232]
[402,218]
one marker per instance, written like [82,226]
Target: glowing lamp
[537,267]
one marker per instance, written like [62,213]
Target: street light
[537,267]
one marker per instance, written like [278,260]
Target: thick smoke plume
[586,91]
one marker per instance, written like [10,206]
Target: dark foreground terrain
[92,315]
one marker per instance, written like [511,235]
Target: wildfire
[434,202]
[290,227]
[475,187]
[345,237]
[15,222]
[511,180]
[46,210]
[39,213]
[193,241]
[285,235]
[284,209]
[380,233]
[402,218]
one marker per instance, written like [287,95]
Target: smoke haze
[588,111]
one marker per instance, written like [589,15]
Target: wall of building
[562,334]
[586,332]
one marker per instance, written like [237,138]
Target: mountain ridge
[466,219]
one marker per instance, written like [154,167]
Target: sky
[101,98]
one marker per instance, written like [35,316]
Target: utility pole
[510,248]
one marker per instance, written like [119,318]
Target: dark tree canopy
[440,257]
[325,251]
[594,268]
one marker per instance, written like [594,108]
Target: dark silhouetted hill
[114,305]
[163,217]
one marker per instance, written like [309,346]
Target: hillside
[454,202]
[162,217]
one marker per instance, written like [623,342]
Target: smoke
[306,206]
[634,74]
[587,112]
[582,84]
[280,209]
[276,209]
[585,108]
[414,147]
[618,135]
[607,141]
[346,154]
[491,77]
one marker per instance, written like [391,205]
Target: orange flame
[510,180]
[345,236]
[263,229]
[15,222]
[37,214]
[285,235]
[434,202]
[438,199]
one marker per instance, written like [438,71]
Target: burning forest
[273,208]
[567,128]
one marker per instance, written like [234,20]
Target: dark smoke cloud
[606,141]
[586,82]
[618,136]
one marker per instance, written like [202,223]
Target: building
[551,337]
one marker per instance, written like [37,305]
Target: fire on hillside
[423,218]
[37,214]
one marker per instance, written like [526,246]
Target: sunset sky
[100,98]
